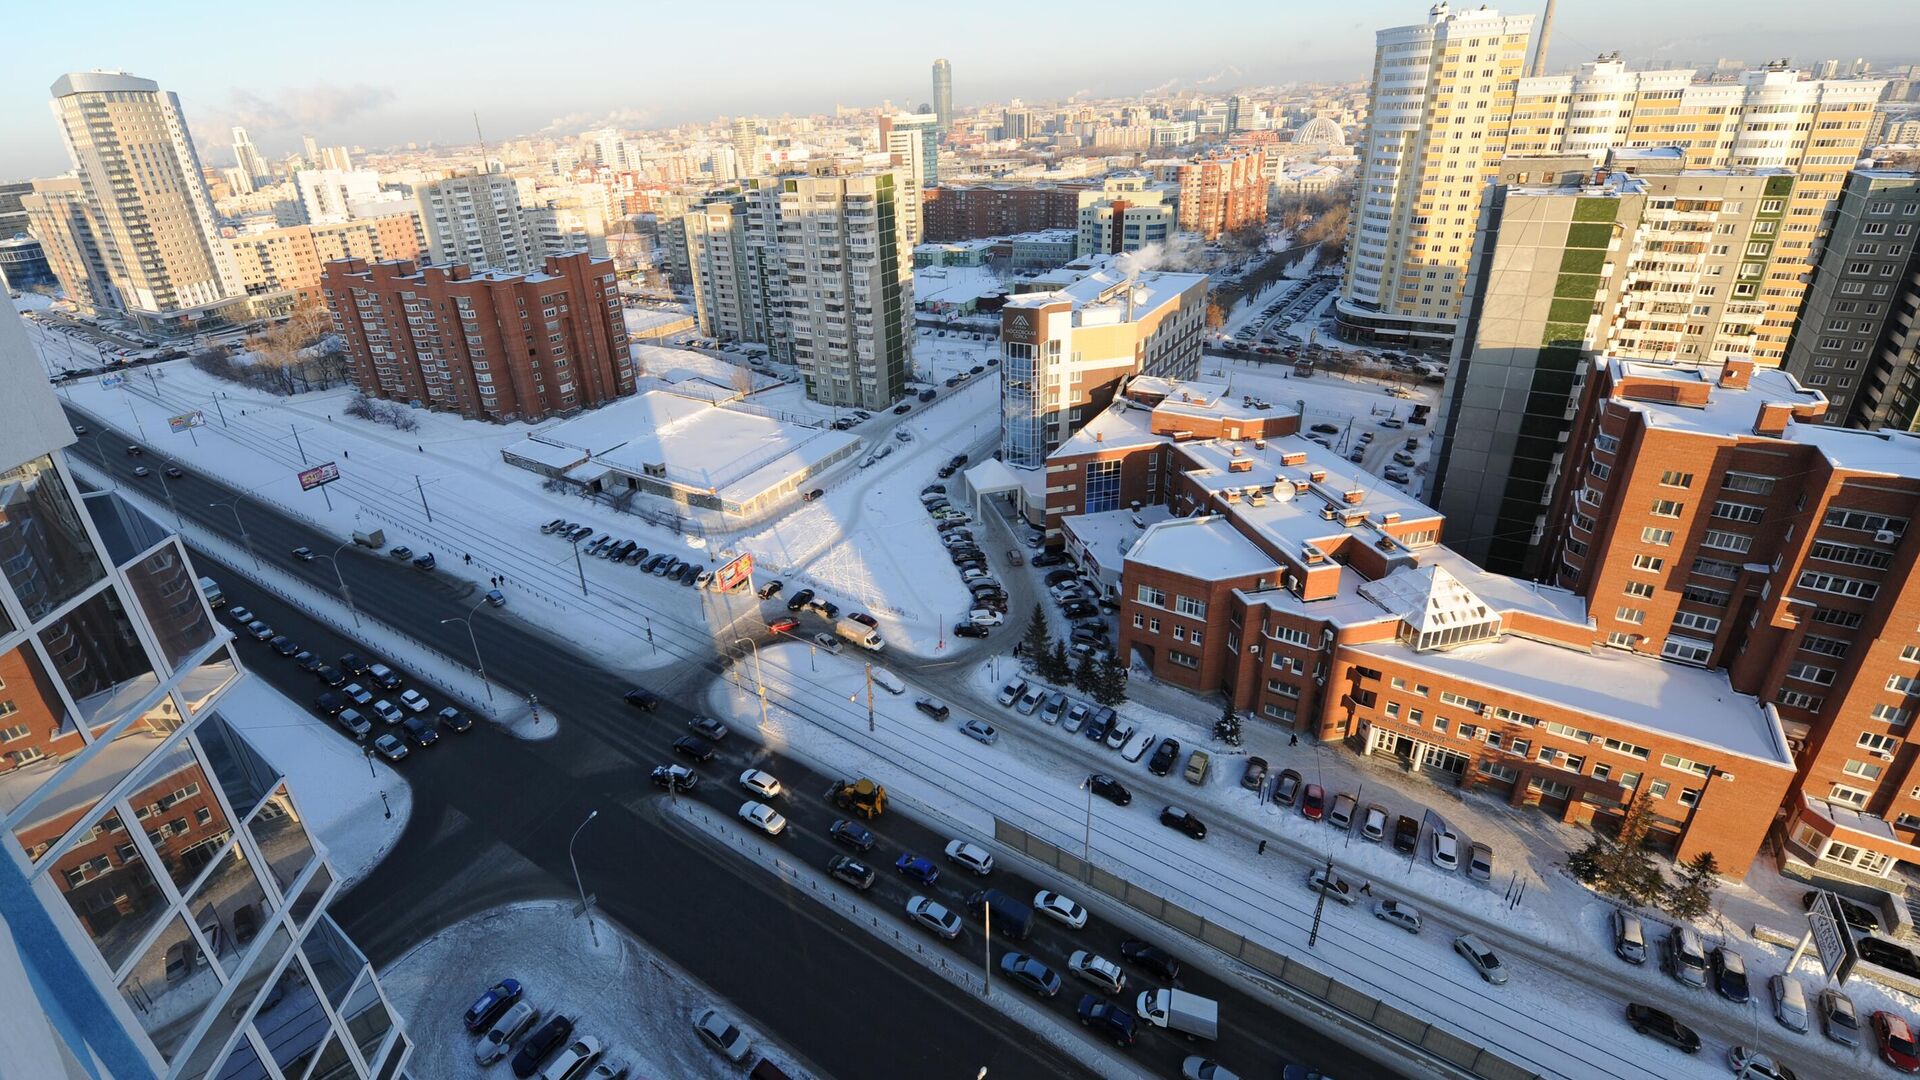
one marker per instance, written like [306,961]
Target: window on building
[1188,606]
[1148,594]
[1103,487]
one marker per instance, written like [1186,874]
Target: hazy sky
[380,74]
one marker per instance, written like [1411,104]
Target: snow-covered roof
[954,284]
[541,452]
[1430,600]
[1113,429]
[993,475]
[1110,534]
[1200,547]
[1100,290]
[1690,703]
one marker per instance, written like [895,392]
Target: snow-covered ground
[637,1004]
[1554,1015]
[939,352]
[353,804]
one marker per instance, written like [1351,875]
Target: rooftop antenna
[483,143]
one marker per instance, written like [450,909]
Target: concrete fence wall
[1353,1004]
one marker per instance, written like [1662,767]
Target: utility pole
[986,978]
[421,488]
[869,697]
[296,443]
[582,567]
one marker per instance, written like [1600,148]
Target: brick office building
[1318,598]
[972,211]
[1709,515]
[488,345]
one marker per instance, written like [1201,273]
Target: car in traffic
[388,712]
[1060,908]
[916,869]
[419,732]
[413,701]
[1481,957]
[689,747]
[934,916]
[1098,970]
[1331,885]
[760,783]
[799,600]
[354,723]
[642,699]
[1030,972]
[389,746]
[1661,1025]
[675,777]
[708,728]
[1180,819]
[852,834]
[1110,1020]
[1150,958]
[763,817]
[980,731]
[972,857]
[1395,913]
[1109,789]
[852,871]
[933,707]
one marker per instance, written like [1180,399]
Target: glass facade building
[165,906]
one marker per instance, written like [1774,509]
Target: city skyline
[377,93]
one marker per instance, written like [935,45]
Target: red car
[783,626]
[1897,1047]
[1314,803]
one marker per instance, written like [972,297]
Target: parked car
[1660,1025]
[1789,1002]
[1480,861]
[675,777]
[1445,851]
[1406,834]
[1287,788]
[575,1059]
[1895,1043]
[720,1033]
[1730,975]
[1373,824]
[540,1044]
[1629,936]
[1838,1019]
[1313,802]
[1163,757]
[1255,774]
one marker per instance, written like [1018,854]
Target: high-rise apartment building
[738,270]
[943,95]
[1408,240]
[1066,347]
[488,345]
[166,904]
[849,284]
[280,268]
[57,215]
[1857,340]
[328,195]
[912,142]
[746,145]
[1223,190]
[13,215]
[1127,213]
[141,203]
[249,160]
[1568,261]
[1441,98]
[477,220]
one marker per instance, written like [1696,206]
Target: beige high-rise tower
[1441,98]
[146,208]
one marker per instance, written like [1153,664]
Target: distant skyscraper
[746,145]
[248,159]
[310,150]
[139,214]
[943,94]
[477,220]
[913,143]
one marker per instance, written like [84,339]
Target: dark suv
[540,1044]
[1109,789]
[1174,817]
[799,600]
[1163,757]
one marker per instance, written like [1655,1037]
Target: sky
[357,73]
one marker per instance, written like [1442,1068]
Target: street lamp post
[584,909]
[478,663]
[233,504]
[333,560]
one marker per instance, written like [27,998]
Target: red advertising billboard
[734,574]
[318,475]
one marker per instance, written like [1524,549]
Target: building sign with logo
[1831,938]
[1020,325]
[318,475]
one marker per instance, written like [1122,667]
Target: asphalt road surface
[492,815]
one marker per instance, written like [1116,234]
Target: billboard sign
[185,420]
[734,574]
[318,475]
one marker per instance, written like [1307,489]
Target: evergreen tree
[1110,686]
[1055,667]
[1227,728]
[1623,866]
[1692,896]
[1037,643]
[1086,677]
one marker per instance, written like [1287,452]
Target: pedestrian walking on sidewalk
[1293,738]
[1366,888]
[1263,848]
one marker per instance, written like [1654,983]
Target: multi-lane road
[492,814]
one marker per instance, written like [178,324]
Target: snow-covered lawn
[339,795]
[638,1005]
[1559,1013]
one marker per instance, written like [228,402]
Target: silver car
[934,916]
[1838,1018]
[981,730]
[1482,957]
[1789,1003]
[720,1033]
[499,1039]
[1398,914]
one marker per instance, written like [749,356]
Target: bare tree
[284,352]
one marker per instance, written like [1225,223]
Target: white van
[859,633]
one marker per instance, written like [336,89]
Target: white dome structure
[1320,131]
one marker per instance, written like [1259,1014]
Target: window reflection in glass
[311,894]
[80,787]
[94,652]
[282,837]
[176,808]
[243,774]
[168,593]
[44,549]
[335,961]
[291,1021]
[198,688]
[36,730]
[229,904]
[243,1064]
[169,986]
[111,891]
[332,1062]
[366,1017]
[206,1052]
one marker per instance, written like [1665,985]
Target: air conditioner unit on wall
[1886,536]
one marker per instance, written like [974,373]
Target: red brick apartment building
[487,345]
[1249,560]
[1224,189]
[972,211]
